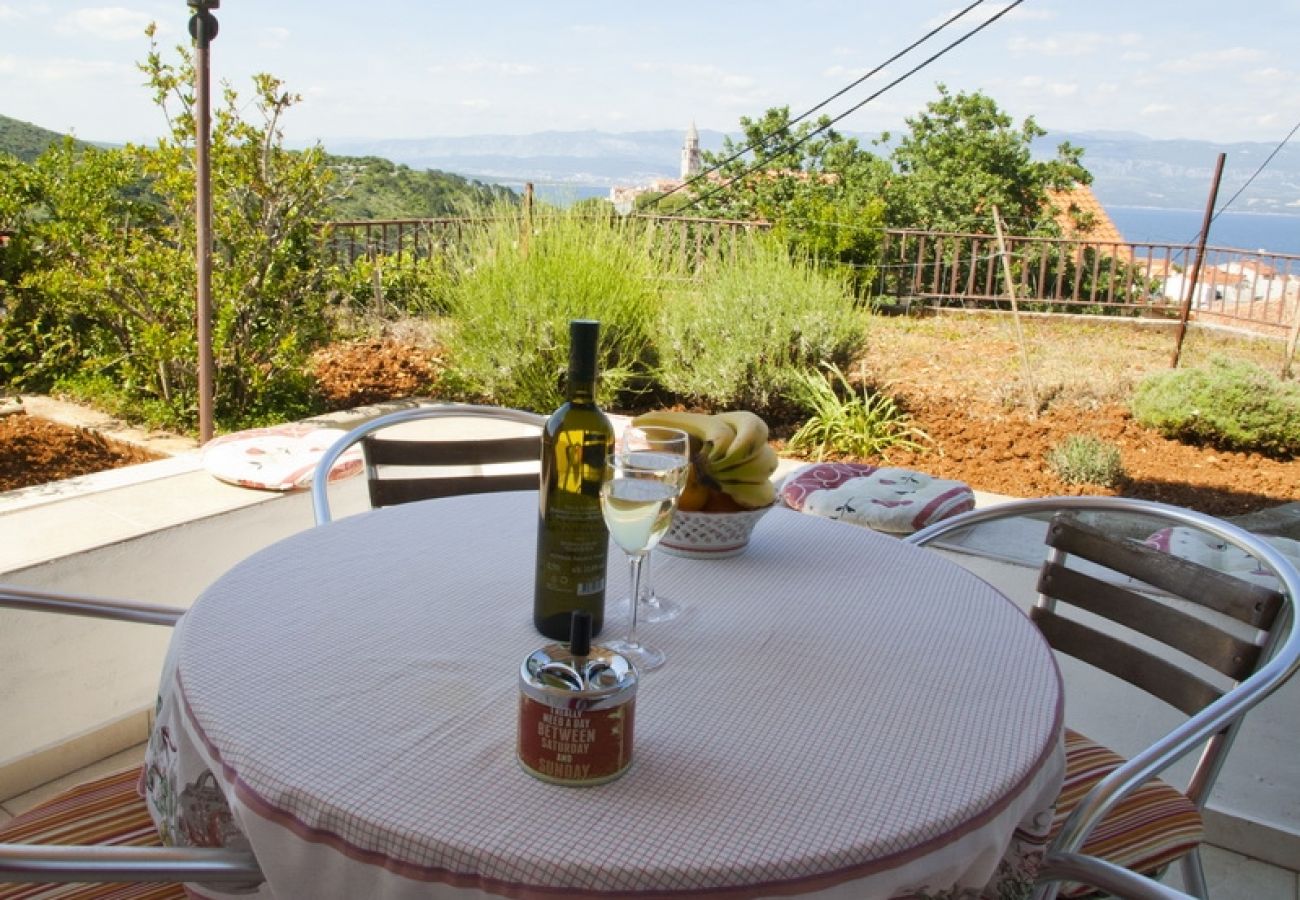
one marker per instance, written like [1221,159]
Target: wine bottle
[572,540]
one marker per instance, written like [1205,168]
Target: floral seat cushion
[884,498]
[278,458]
[1203,548]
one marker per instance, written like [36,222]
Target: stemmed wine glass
[637,500]
[649,445]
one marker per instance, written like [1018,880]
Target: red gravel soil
[36,451]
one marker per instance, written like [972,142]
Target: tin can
[576,715]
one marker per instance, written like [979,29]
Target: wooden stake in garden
[1015,312]
[1186,311]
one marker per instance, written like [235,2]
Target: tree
[819,190]
[962,156]
[109,304]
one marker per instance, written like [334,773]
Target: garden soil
[963,398]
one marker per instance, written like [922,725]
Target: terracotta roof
[1081,199]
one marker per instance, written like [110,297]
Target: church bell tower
[691,154]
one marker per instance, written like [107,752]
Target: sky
[405,69]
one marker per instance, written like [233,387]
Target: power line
[908,74]
[1261,168]
[1242,189]
[762,141]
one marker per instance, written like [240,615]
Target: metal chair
[397,468]
[1149,602]
[130,850]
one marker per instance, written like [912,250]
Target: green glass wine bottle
[572,540]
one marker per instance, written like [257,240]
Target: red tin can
[576,715]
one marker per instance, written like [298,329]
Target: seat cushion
[107,812]
[1149,829]
[899,501]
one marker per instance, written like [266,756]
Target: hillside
[379,189]
[25,140]
[371,187]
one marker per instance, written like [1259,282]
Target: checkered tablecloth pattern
[841,714]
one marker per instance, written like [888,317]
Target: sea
[1268,232]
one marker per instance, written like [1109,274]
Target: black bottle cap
[583,335]
[580,633]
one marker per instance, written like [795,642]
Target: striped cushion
[1149,829]
[109,811]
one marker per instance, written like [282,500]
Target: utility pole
[203,28]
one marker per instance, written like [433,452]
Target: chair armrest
[44,863]
[1099,873]
[14,597]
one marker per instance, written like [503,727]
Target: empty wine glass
[637,498]
[650,443]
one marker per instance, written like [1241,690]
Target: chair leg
[1194,874]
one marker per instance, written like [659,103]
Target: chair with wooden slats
[1209,644]
[97,840]
[403,468]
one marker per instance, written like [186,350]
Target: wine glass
[648,445]
[637,502]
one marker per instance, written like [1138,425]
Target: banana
[752,496]
[710,436]
[729,453]
[751,436]
[758,468]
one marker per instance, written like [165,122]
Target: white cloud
[1038,84]
[1269,75]
[841,72]
[114,23]
[273,38]
[1155,109]
[71,69]
[1208,60]
[8,64]
[476,103]
[483,66]
[8,12]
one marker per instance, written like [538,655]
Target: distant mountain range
[1129,169]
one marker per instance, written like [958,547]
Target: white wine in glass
[656,446]
[637,504]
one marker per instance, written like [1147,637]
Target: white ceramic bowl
[710,535]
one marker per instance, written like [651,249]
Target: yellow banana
[751,496]
[710,436]
[751,434]
[758,468]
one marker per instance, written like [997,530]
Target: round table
[840,715]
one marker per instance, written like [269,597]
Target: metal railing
[1239,287]
[1249,289]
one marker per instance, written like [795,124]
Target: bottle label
[576,546]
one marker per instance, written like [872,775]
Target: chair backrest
[1210,644]
[1200,628]
[401,468]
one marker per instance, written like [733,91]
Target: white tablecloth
[841,715]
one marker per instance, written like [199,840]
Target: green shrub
[752,325]
[847,423]
[387,287]
[520,288]
[1232,405]
[1084,459]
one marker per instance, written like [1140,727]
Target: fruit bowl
[710,535]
